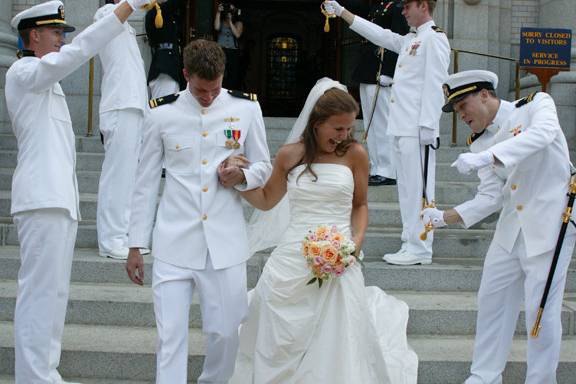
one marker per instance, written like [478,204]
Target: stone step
[10,380]
[387,214]
[447,192]
[86,161]
[450,242]
[431,313]
[446,274]
[105,352]
[275,137]
[90,144]
[89,267]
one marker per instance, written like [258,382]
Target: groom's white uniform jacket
[196,214]
[531,184]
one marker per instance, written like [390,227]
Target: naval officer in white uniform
[413,114]
[199,238]
[523,164]
[123,104]
[44,188]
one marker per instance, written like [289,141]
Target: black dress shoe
[380,180]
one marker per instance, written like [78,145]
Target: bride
[342,332]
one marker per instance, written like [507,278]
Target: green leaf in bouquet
[320,281]
[312,280]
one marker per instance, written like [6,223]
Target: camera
[228,8]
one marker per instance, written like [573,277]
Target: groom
[199,238]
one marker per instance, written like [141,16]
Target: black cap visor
[45,21]
[455,95]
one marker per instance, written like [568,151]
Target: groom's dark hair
[333,102]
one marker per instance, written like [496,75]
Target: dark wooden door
[284,48]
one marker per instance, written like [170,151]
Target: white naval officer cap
[50,13]
[461,84]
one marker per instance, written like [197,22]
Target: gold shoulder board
[243,95]
[525,100]
[153,103]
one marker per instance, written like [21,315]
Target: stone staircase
[110,334]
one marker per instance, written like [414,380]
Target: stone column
[8,39]
[482,26]
[8,46]
[562,87]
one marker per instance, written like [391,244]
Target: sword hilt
[536,327]
[428,227]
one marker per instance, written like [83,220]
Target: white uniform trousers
[47,238]
[122,131]
[224,305]
[379,143]
[163,85]
[508,279]
[408,158]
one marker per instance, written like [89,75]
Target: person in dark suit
[374,72]
[163,28]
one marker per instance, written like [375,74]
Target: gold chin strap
[328,16]
[158,20]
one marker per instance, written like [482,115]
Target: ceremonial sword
[376,93]
[425,202]
[566,218]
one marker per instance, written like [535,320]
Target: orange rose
[337,237]
[314,249]
[329,254]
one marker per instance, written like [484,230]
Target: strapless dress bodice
[326,199]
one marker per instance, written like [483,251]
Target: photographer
[229,26]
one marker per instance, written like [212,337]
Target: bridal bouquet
[328,253]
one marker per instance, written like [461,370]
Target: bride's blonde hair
[333,102]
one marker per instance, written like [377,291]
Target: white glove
[333,8]
[385,80]
[434,216]
[468,162]
[140,4]
[427,136]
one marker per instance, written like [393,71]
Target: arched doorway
[284,48]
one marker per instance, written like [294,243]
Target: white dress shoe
[118,254]
[394,255]
[144,251]
[406,258]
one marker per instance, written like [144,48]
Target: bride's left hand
[358,243]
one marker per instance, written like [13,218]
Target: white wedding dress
[341,333]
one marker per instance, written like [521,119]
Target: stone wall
[524,14]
